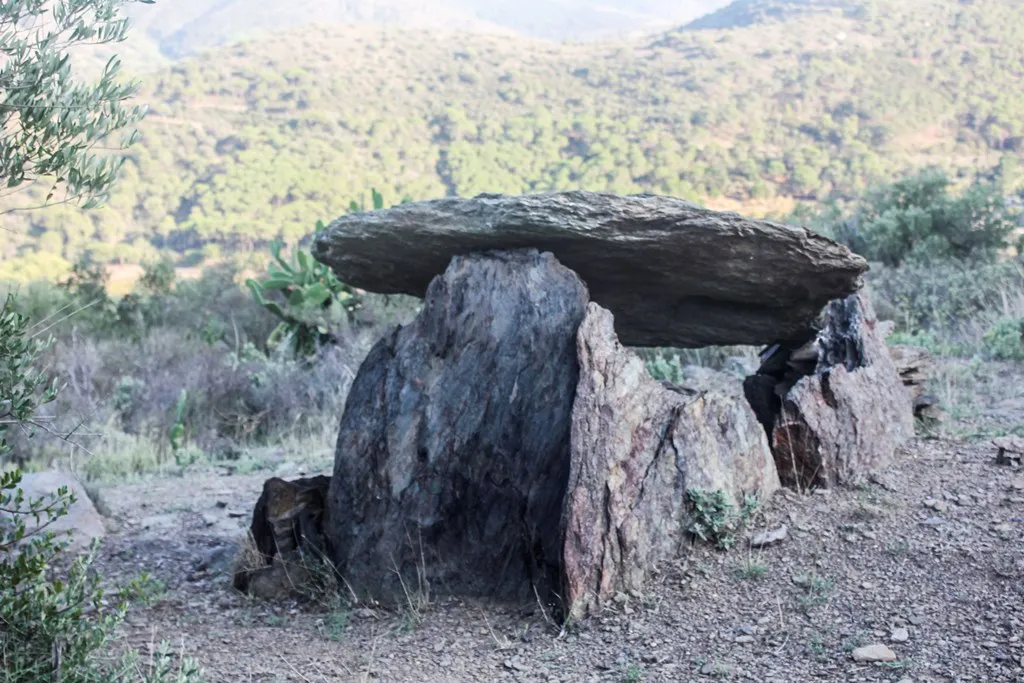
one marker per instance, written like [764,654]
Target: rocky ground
[925,564]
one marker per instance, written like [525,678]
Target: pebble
[516,665]
[899,635]
[743,640]
[766,538]
[874,653]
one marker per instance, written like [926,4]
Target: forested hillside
[264,138]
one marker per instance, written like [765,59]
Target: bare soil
[933,547]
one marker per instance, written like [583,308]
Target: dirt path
[928,560]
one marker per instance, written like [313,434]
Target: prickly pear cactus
[313,297]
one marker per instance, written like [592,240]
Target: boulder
[83,522]
[672,273]
[836,408]
[637,447]
[453,450]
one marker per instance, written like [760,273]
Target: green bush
[713,519]
[1005,339]
[918,219]
[56,620]
[52,629]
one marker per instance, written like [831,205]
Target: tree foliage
[53,124]
[919,219]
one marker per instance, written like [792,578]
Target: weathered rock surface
[82,521]
[637,446]
[285,537]
[453,451]
[836,409]
[672,273]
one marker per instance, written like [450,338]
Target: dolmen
[509,443]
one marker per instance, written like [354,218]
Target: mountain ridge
[166,32]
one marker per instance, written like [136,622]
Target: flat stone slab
[672,273]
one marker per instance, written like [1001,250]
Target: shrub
[1005,339]
[713,518]
[55,618]
[52,629]
[670,364]
[953,300]
[918,219]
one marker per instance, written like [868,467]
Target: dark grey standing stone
[453,452]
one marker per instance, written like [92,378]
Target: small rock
[516,664]
[990,644]
[899,635]
[708,669]
[217,559]
[874,653]
[766,538]
[743,640]
[934,521]
[937,505]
